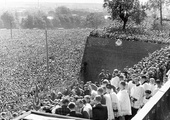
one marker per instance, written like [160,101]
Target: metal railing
[158,107]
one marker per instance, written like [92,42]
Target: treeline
[61,17]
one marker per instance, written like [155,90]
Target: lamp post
[11,28]
[47,56]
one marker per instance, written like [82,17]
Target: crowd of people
[133,34]
[115,96]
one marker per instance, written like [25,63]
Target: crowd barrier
[158,107]
[34,115]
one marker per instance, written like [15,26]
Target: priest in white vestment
[124,100]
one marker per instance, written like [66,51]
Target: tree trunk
[124,16]
[124,24]
[160,9]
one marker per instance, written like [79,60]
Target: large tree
[124,9]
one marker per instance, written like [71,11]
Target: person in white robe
[137,94]
[124,100]
[131,83]
[112,103]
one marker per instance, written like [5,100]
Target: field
[23,59]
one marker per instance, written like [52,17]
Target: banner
[118,42]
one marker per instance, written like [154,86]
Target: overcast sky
[62,1]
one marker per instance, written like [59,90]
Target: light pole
[47,56]
[11,28]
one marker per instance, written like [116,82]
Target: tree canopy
[124,9]
[8,20]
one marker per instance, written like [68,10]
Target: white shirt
[115,81]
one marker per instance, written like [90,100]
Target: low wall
[102,53]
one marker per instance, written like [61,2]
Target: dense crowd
[117,95]
[133,34]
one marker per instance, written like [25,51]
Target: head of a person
[105,82]
[60,94]
[107,71]
[152,81]
[14,115]
[133,76]
[46,109]
[108,88]
[102,70]
[122,85]
[100,91]
[98,99]
[79,103]
[169,56]
[121,78]
[3,114]
[45,102]
[87,98]
[72,106]
[85,87]
[65,101]
[137,80]
[148,93]
[158,82]
[143,78]
[115,72]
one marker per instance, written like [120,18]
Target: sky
[10,3]
[61,1]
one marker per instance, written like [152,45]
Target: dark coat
[75,114]
[100,112]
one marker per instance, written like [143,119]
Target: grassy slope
[23,58]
